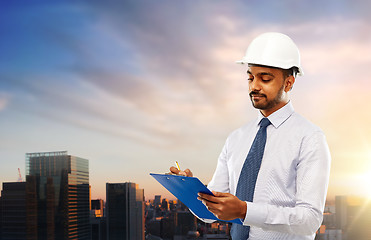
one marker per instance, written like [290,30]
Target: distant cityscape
[54,202]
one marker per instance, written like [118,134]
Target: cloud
[4,101]
[174,82]
[172,67]
[147,73]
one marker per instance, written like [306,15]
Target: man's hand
[186,173]
[224,206]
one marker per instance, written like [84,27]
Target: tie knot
[264,122]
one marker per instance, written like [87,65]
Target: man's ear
[289,83]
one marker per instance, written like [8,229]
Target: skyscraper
[341,207]
[359,220]
[19,218]
[62,186]
[1,218]
[96,208]
[98,220]
[125,211]
[157,200]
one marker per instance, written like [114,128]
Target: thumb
[174,170]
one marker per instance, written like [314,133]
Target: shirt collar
[279,116]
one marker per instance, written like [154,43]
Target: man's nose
[254,85]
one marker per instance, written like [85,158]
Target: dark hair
[286,72]
[290,72]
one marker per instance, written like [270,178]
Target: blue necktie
[248,176]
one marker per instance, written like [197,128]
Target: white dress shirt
[292,183]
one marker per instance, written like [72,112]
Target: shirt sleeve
[313,170]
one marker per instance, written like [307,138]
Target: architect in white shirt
[291,184]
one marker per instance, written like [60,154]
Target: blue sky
[135,85]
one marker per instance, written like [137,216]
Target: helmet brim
[299,73]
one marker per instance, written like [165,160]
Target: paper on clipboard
[186,189]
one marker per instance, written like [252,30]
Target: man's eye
[266,79]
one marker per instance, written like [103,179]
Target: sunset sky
[135,85]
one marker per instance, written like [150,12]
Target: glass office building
[63,194]
[125,211]
[19,212]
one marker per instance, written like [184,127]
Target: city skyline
[135,86]
[54,203]
[352,198]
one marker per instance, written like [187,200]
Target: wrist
[243,210]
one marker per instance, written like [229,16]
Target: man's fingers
[212,207]
[208,197]
[207,203]
[224,206]
[174,170]
[188,172]
[221,194]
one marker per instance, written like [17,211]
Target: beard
[264,103]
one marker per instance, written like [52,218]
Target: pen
[177,165]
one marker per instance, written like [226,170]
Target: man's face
[267,88]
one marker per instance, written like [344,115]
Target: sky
[135,85]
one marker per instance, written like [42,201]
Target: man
[273,172]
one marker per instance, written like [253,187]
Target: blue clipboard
[186,190]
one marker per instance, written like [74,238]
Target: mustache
[254,93]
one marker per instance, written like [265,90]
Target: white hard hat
[273,49]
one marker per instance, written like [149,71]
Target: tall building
[125,211]
[98,220]
[19,210]
[185,222]
[341,207]
[1,217]
[98,228]
[157,200]
[165,205]
[359,226]
[63,197]
[96,208]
